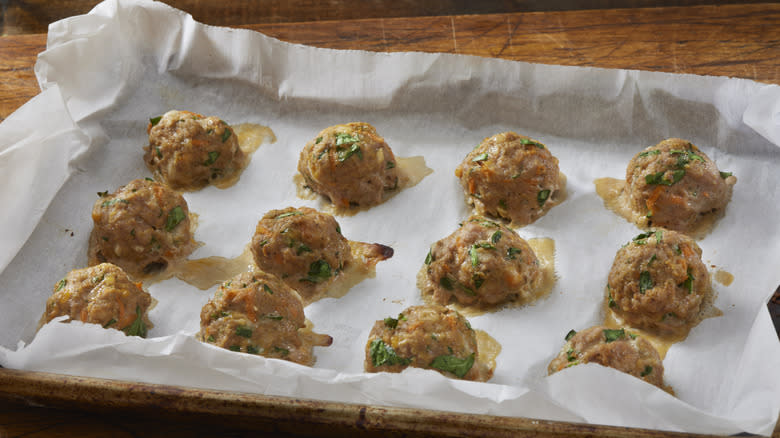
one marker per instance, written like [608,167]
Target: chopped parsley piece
[251,349]
[474,256]
[542,196]
[344,154]
[645,282]
[496,237]
[688,283]
[226,135]
[60,285]
[234,348]
[149,179]
[647,153]
[485,223]
[323,152]
[268,289]
[289,213]
[281,350]
[302,248]
[648,370]
[511,251]
[502,204]
[175,216]
[477,279]
[529,141]
[102,194]
[213,155]
[571,355]
[429,258]
[155,120]
[318,140]
[159,151]
[389,165]
[318,271]
[114,201]
[570,334]
[611,301]
[446,283]
[668,315]
[275,317]
[137,328]
[383,354]
[658,178]
[344,138]
[652,259]
[211,339]
[391,322]
[725,175]
[480,157]
[613,335]
[243,331]
[111,322]
[453,364]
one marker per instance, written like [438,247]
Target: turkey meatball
[432,337]
[614,348]
[256,313]
[188,151]
[142,227]
[511,176]
[676,185]
[481,264]
[103,295]
[658,283]
[303,247]
[350,164]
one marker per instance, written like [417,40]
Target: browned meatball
[104,295]
[350,164]
[301,246]
[188,151]
[511,176]
[256,313]
[482,263]
[658,282]
[614,348]
[676,185]
[142,227]
[433,337]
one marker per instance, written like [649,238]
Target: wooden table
[740,40]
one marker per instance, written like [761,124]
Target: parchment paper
[105,74]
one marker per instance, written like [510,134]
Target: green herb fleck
[211,339]
[251,349]
[318,140]
[137,328]
[542,196]
[213,155]
[480,157]
[111,322]
[244,331]
[60,285]
[496,237]
[274,317]
[268,289]
[648,370]
[725,175]
[175,216]
[688,283]
[429,257]
[446,283]
[344,138]
[390,165]
[453,364]
[383,354]
[102,194]
[511,251]
[344,154]
[570,334]
[391,322]
[645,281]
[234,348]
[529,141]
[226,135]
[474,256]
[318,271]
[613,335]
[651,152]
[283,351]
[570,355]
[155,120]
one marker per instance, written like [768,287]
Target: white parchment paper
[105,74]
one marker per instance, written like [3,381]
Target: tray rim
[263,411]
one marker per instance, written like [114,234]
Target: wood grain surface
[741,40]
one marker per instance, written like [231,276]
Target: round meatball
[675,184]
[142,227]
[432,337]
[303,247]
[658,282]
[104,295]
[614,348]
[256,313]
[188,151]
[511,176]
[350,164]
[482,263]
